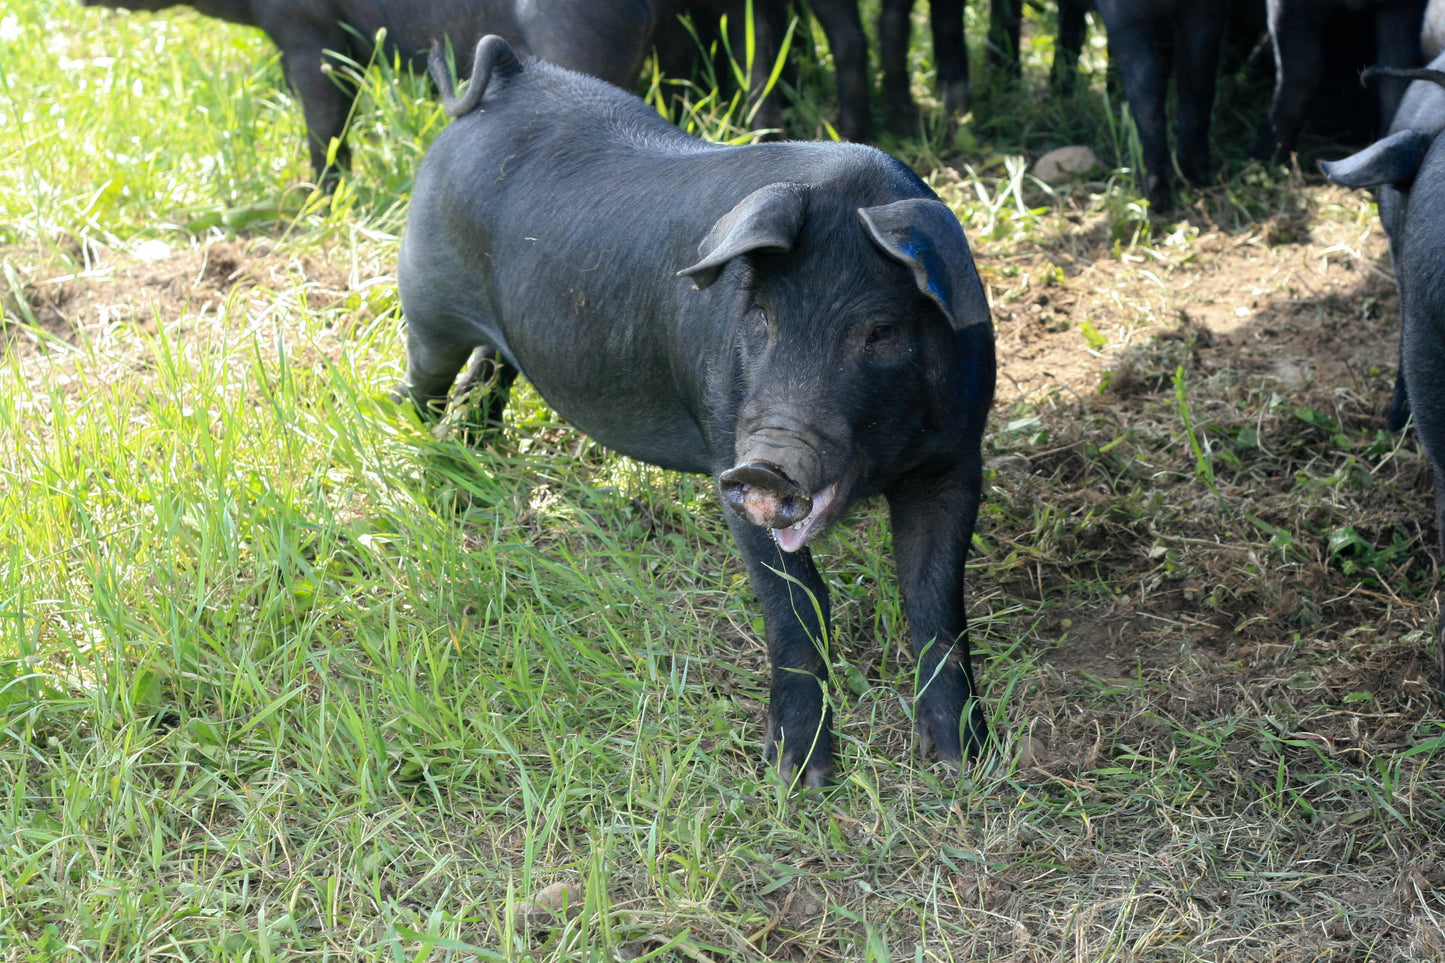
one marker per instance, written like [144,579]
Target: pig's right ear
[767,221]
[1392,160]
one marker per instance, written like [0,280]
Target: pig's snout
[763,495]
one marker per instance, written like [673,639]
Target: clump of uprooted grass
[283,673]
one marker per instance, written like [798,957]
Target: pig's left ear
[923,234]
[1394,160]
[767,221]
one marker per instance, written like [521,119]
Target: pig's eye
[761,319]
[881,335]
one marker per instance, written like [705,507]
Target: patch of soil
[183,289]
[1320,307]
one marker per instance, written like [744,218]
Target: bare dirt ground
[1317,308]
[1320,307]
[1292,318]
[118,291]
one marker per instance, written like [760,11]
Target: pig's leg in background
[1135,46]
[1397,44]
[893,33]
[950,54]
[768,27]
[1296,33]
[849,45]
[1196,60]
[1005,22]
[326,98]
[1065,69]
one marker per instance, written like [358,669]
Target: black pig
[605,38]
[1419,120]
[1141,35]
[802,321]
[1412,161]
[1297,33]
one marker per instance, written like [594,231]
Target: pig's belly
[659,432]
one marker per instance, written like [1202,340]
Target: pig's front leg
[1195,64]
[1072,26]
[1005,20]
[950,53]
[795,617]
[933,519]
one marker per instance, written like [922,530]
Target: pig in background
[1300,35]
[608,39]
[1411,162]
[599,37]
[1150,41]
[802,321]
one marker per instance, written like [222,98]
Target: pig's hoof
[957,99]
[812,777]
[405,394]
[950,746]
[1160,195]
[930,747]
[809,765]
[1194,170]
[1399,407]
[811,773]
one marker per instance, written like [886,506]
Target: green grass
[284,675]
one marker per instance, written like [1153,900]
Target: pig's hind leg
[485,387]
[432,368]
[326,96]
[1423,368]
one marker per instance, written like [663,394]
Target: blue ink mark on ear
[926,257]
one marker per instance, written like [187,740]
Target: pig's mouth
[795,536]
[765,496]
